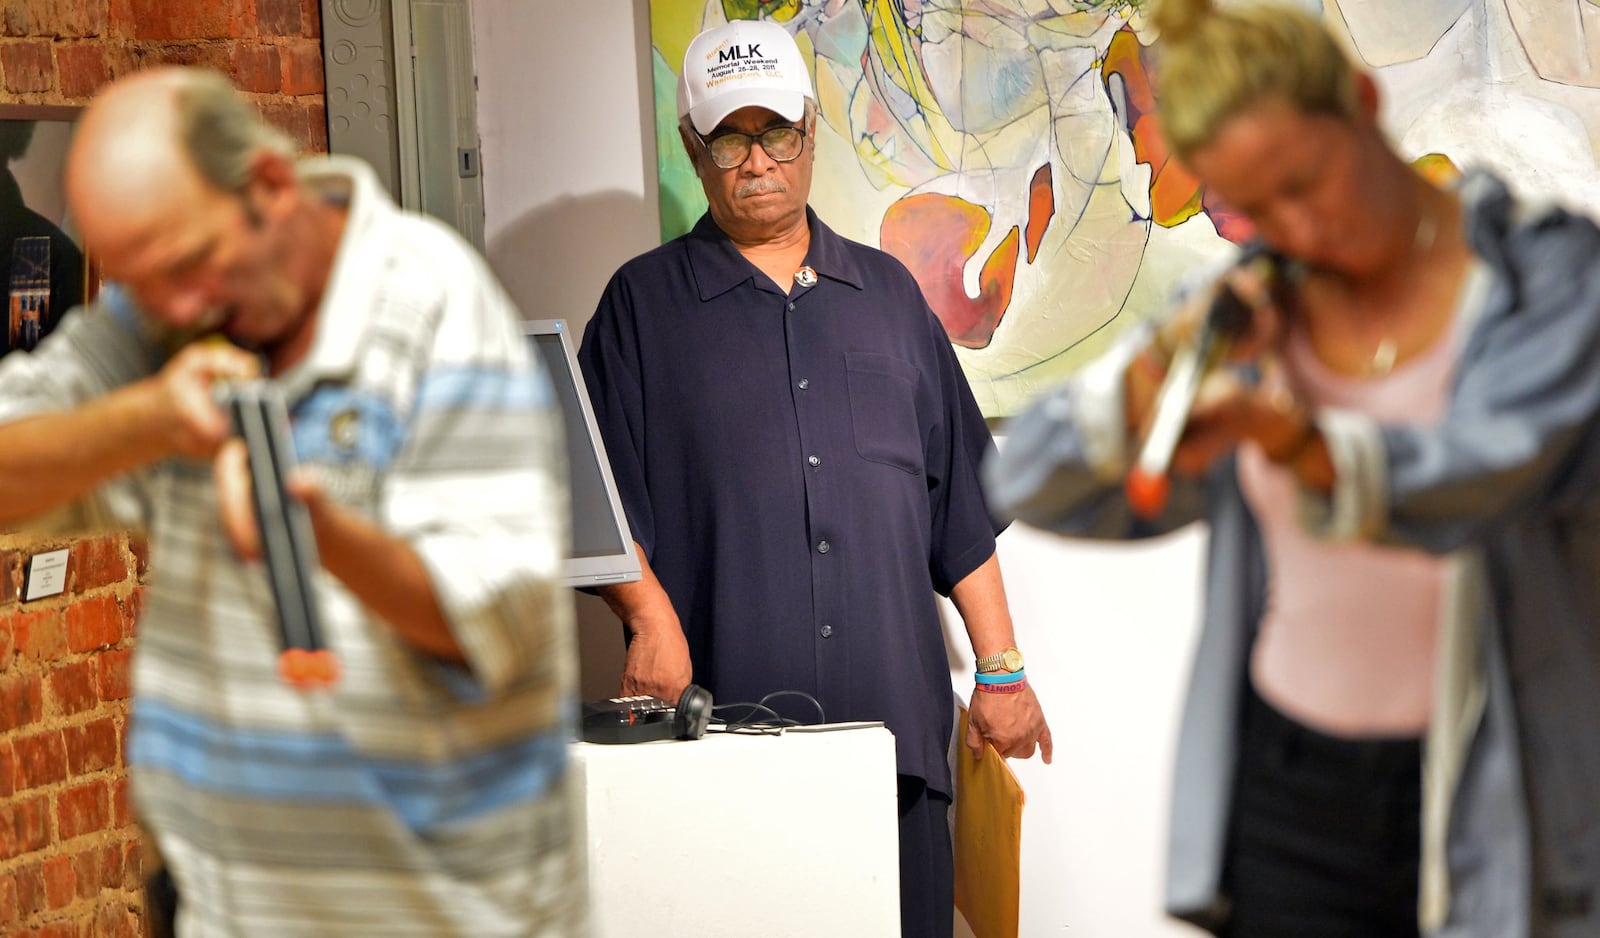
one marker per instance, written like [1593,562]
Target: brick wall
[60,51]
[69,853]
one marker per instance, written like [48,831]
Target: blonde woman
[1389,728]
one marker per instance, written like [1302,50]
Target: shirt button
[814,460]
[791,307]
[805,383]
[826,630]
[822,547]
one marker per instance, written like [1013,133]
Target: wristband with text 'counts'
[1015,687]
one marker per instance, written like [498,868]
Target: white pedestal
[732,836]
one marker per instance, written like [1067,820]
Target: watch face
[1011,659]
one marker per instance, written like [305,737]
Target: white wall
[568,163]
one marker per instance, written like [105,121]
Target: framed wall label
[47,575]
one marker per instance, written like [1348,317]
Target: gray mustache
[759,185]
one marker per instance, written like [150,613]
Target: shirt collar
[340,318]
[719,267]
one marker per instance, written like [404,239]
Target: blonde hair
[220,132]
[1215,63]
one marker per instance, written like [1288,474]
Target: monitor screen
[602,546]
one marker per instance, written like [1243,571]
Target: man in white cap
[798,454]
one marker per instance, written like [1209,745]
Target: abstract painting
[1008,151]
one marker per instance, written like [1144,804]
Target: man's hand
[236,504]
[658,659]
[193,422]
[1013,723]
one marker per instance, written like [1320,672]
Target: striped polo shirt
[416,797]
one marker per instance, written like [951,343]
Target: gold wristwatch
[1008,660]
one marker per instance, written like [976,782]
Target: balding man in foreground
[426,793]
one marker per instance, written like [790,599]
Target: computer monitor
[602,546]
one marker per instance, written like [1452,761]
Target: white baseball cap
[745,63]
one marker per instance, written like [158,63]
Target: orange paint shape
[1041,208]
[935,235]
[1174,191]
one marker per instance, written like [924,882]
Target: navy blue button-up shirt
[801,471]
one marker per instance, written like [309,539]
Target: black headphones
[693,713]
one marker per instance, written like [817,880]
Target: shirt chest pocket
[883,410]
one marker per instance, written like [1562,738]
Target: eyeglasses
[731,148]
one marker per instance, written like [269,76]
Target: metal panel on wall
[402,95]
[358,60]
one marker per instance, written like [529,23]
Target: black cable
[821,717]
[778,719]
[771,725]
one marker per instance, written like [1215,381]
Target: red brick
[72,688]
[16,18]
[132,865]
[114,677]
[91,747]
[256,69]
[30,890]
[206,19]
[83,809]
[200,54]
[10,577]
[139,546]
[41,759]
[132,609]
[120,16]
[21,701]
[121,812]
[60,882]
[86,872]
[8,645]
[98,561]
[39,635]
[302,67]
[76,19]
[8,769]
[279,17]
[55,930]
[28,66]
[10,844]
[311,18]
[317,119]
[110,866]
[93,623]
[9,913]
[116,921]
[32,820]
[287,116]
[24,826]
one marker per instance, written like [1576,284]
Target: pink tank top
[1347,642]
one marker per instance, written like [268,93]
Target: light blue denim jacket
[1507,485]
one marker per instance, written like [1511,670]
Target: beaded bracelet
[1001,677]
[1015,687]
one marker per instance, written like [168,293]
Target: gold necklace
[1384,356]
